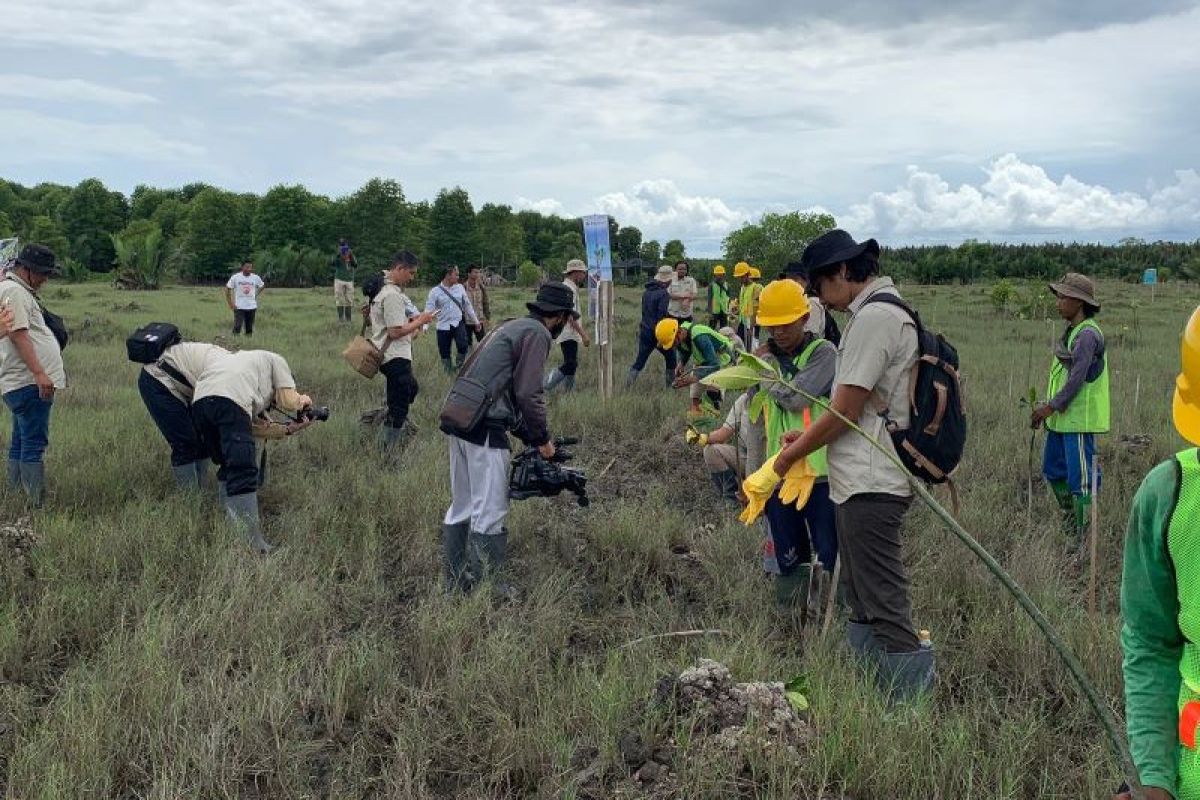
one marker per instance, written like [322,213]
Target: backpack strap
[889,299]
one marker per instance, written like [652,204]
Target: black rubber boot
[455,573]
[727,485]
[861,638]
[489,559]
[631,377]
[14,474]
[242,510]
[905,676]
[33,478]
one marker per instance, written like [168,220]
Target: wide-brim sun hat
[38,258]
[554,298]
[834,247]
[664,275]
[1078,286]
[575,265]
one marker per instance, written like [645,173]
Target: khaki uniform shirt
[250,378]
[878,352]
[568,332]
[27,316]
[189,359]
[679,287]
[479,300]
[390,309]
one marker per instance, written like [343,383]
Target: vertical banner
[600,292]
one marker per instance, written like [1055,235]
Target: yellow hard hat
[754,273]
[665,332]
[781,303]
[719,269]
[1185,409]
[740,269]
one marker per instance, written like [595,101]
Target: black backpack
[372,285]
[932,444]
[832,334]
[147,344]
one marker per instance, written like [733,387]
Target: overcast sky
[909,120]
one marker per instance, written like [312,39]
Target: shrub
[140,256]
[528,274]
[292,266]
[1001,294]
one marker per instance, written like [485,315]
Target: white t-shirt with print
[245,290]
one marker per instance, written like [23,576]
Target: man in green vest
[718,299]
[1160,604]
[808,363]
[344,267]
[1077,407]
[712,351]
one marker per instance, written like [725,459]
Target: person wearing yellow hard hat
[655,302]
[1077,405]
[747,302]
[711,350]
[718,299]
[1160,604]
[808,364]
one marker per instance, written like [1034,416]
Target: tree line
[198,233]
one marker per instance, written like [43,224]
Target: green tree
[673,251]
[141,255]
[775,239]
[567,246]
[171,216]
[375,220]
[145,200]
[528,274]
[218,234]
[89,215]
[501,237]
[6,226]
[45,231]
[628,243]
[452,235]
[291,215]
[651,252]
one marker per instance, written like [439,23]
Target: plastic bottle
[924,640]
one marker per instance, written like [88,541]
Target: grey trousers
[873,573]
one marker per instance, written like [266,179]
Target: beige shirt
[390,309]
[189,359]
[27,315]
[568,332]
[816,317]
[878,352]
[679,287]
[249,378]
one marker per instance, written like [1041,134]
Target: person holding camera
[394,321]
[31,367]
[499,390]
[229,409]
[166,387]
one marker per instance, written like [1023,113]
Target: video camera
[534,476]
[314,413]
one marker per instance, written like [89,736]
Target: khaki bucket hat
[1078,286]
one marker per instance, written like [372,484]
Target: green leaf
[799,702]
[798,683]
[733,378]
[756,363]
[757,403]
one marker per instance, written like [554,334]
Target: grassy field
[145,653]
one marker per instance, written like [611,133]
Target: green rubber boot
[447,366]
[242,510]
[455,574]
[489,559]
[631,377]
[905,677]
[792,590]
[1062,493]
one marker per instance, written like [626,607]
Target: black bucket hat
[554,298]
[38,258]
[833,247]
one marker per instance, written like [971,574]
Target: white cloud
[1019,199]
[38,137]
[660,209]
[32,87]
[547,205]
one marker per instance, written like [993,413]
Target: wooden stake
[831,602]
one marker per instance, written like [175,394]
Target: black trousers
[570,351]
[877,589]
[401,390]
[244,316]
[460,335]
[646,346]
[224,428]
[173,419]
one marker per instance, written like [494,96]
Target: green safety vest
[724,346]
[779,421]
[1183,545]
[718,298]
[1089,411]
[748,301]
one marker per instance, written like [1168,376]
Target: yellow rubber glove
[758,488]
[797,484]
[695,437]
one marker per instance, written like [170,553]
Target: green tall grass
[145,653]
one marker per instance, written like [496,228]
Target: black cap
[554,298]
[38,258]
[833,247]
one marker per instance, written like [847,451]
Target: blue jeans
[31,424]
[1070,458]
